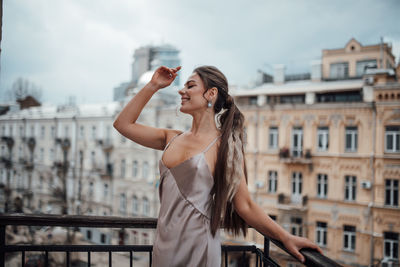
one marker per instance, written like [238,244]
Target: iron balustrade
[313,258]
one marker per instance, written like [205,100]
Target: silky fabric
[183,235]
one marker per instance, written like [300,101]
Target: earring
[209,104]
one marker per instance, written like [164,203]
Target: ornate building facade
[323,154]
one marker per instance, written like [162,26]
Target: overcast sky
[84,47]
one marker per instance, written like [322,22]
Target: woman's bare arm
[126,124]
[256,217]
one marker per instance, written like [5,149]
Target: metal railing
[313,258]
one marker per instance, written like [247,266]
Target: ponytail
[230,158]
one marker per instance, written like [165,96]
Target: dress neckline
[185,161]
[195,155]
[192,157]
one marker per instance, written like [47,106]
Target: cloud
[83,48]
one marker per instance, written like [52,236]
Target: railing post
[266,250]
[2,244]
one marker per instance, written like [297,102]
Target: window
[351,139]
[66,131]
[42,132]
[146,207]
[123,168]
[41,154]
[108,133]
[91,189]
[135,168]
[322,185]
[135,237]
[94,132]
[297,181]
[253,100]
[11,130]
[392,192]
[350,188]
[53,131]
[122,204]
[392,139]
[32,130]
[363,64]
[296,226]
[103,238]
[273,217]
[135,206]
[339,70]
[273,137]
[323,138]
[321,233]
[297,141]
[292,99]
[105,192]
[145,170]
[88,234]
[41,179]
[93,159]
[391,245]
[21,131]
[272,181]
[145,239]
[82,132]
[3,130]
[349,237]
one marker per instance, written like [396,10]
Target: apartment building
[323,154]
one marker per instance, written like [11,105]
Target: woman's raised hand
[164,76]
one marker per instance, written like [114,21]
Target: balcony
[108,171]
[261,256]
[298,202]
[295,157]
[106,144]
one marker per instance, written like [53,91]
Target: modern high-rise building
[148,58]
[145,60]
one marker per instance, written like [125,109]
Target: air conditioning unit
[366,184]
[369,80]
[259,184]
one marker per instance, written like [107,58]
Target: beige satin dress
[183,235]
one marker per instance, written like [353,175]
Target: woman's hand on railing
[164,76]
[294,243]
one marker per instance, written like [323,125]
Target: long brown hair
[231,120]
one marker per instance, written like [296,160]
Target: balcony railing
[313,258]
[295,156]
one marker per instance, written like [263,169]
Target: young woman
[203,172]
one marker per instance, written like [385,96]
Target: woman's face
[192,98]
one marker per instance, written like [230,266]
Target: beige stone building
[323,154]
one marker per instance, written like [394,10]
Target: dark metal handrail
[313,258]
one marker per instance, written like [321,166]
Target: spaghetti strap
[170,141]
[210,145]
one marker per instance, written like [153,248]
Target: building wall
[369,163]
[353,52]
